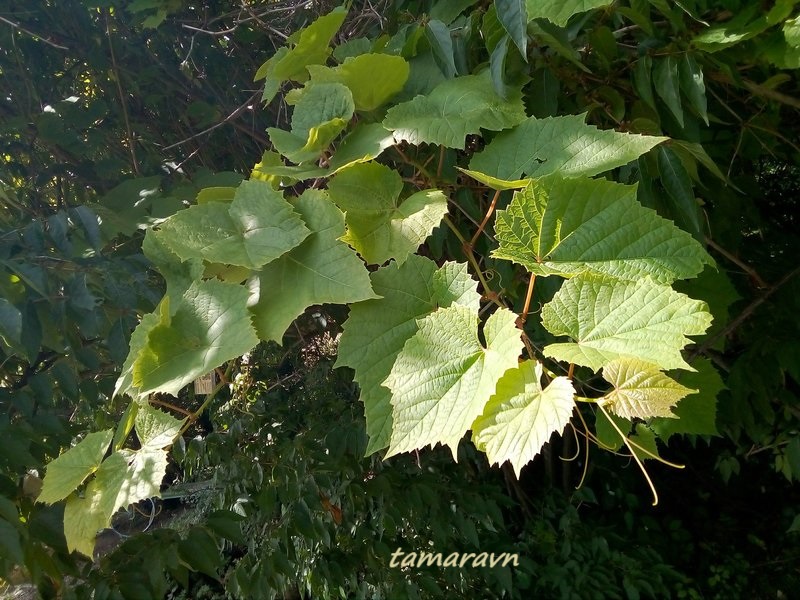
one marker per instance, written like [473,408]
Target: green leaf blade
[564,227]
[567,145]
[376,330]
[257,227]
[321,269]
[641,390]
[443,377]
[380,226]
[560,11]
[70,469]
[521,415]
[454,109]
[609,320]
[210,326]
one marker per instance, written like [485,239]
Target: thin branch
[33,35]
[738,262]
[744,315]
[230,117]
[122,102]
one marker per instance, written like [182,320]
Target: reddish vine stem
[177,409]
[571,370]
[441,163]
[486,218]
[528,296]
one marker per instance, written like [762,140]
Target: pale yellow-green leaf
[641,390]
[521,415]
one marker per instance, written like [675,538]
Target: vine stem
[177,409]
[523,317]
[471,258]
[486,218]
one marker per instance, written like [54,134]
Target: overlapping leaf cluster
[431,361]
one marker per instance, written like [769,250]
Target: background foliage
[124,111]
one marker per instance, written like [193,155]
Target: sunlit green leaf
[70,469]
[522,415]
[608,319]
[641,390]
[566,145]
[444,376]
[564,227]
[454,109]
[377,329]
[321,269]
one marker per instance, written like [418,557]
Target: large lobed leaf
[559,226]
[522,415]
[69,470]
[609,319]
[257,227]
[454,109]
[379,225]
[311,47]
[209,326]
[566,145]
[372,78]
[444,376]
[321,269]
[376,330]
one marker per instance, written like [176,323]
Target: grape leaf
[609,319]
[697,413]
[257,227]
[68,471]
[123,478]
[210,325]
[312,47]
[443,377]
[537,147]
[559,226]
[362,144]
[155,428]
[321,269]
[454,109]
[138,342]
[379,226]
[521,416]
[641,390]
[372,78]
[178,274]
[376,330]
[560,11]
[320,115]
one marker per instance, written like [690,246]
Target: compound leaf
[444,376]
[537,147]
[569,226]
[609,319]
[454,109]
[376,330]
[521,415]
[321,269]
